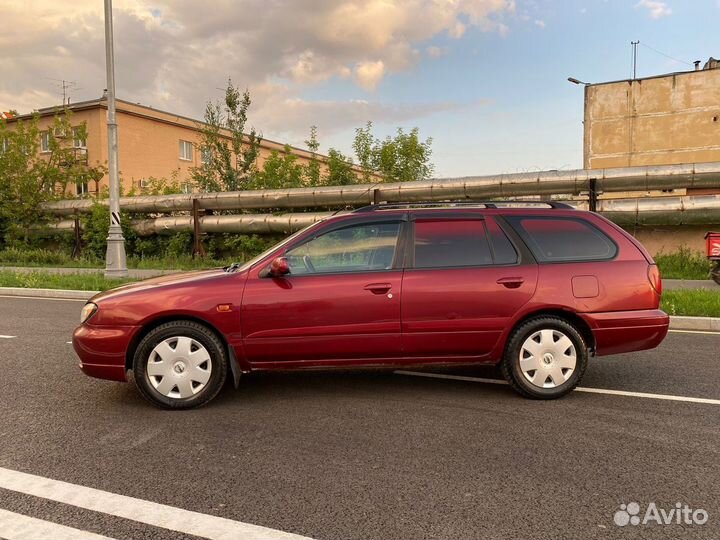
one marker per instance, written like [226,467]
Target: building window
[81,189]
[206,156]
[143,183]
[186,150]
[45,141]
[187,188]
[78,140]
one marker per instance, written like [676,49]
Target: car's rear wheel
[545,358]
[180,365]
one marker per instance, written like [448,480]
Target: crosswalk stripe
[150,513]
[19,527]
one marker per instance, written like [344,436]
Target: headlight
[88,311]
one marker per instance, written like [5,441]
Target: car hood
[171,280]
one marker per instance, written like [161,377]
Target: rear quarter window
[563,239]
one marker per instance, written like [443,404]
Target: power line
[665,55]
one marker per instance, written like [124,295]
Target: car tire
[180,365]
[545,358]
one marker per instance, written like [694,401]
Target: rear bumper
[626,331]
[102,350]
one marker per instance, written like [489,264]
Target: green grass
[44,280]
[59,259]
[694,303]
[683,264]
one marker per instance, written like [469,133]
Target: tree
[312,169]
[280,170]
[339,169]
[228,159]
[401,158]
[29,177]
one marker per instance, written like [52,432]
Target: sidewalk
[675,284]
[133,273]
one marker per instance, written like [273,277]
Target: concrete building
[152,143]
[661,120]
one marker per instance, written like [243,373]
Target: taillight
[654,278]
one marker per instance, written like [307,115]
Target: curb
[47,293]
[677,322]
[708,324]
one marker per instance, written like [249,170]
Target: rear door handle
[378,288]
[511,282]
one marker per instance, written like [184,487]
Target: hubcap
[547,358]
[179,367]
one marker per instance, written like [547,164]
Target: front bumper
[102,349]
[627,331]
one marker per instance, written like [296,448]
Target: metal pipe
[646,178]
[687,210]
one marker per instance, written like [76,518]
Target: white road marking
[7,337]
[150,513]
[43,298]
[695,332]
[626,393]
[68,343]
[20,527]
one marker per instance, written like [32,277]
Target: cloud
[436,52]
[174,54]
[281,114]
[369,74]
[656,8]
[539,23]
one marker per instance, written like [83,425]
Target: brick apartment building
[152,143]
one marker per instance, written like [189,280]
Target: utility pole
[634,57]
[115,259]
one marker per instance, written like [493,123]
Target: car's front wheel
[180,365]
[545,358]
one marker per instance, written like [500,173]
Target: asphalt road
[361,454]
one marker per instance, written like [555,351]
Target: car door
[464,283]
[339,303]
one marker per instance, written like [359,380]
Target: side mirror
[279,267]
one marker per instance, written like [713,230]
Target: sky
[485,79]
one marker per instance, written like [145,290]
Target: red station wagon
[533,287]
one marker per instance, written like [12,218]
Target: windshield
[267,252]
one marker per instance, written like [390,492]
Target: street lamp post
[115,259]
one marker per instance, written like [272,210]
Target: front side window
[451,243]
[186,150]
[564,239]
[357,248]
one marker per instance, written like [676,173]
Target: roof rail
[477,204]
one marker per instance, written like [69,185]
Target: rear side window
[564,239]
[451,243]
[503,250]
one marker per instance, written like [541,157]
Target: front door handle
[511,282]
[378,288]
